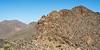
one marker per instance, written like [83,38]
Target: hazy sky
[31,10]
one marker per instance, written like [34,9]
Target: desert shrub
[7,46]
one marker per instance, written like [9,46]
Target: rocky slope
[75,29]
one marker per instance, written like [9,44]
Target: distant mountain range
[27,32]
[14,28]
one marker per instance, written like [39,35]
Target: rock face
[75,29]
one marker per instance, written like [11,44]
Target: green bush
[7,48]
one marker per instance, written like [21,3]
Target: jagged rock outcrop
[75,29]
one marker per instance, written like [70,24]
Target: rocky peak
[81,6]
[81,9]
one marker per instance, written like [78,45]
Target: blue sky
[31,10]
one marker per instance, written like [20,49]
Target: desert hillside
[74,29]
